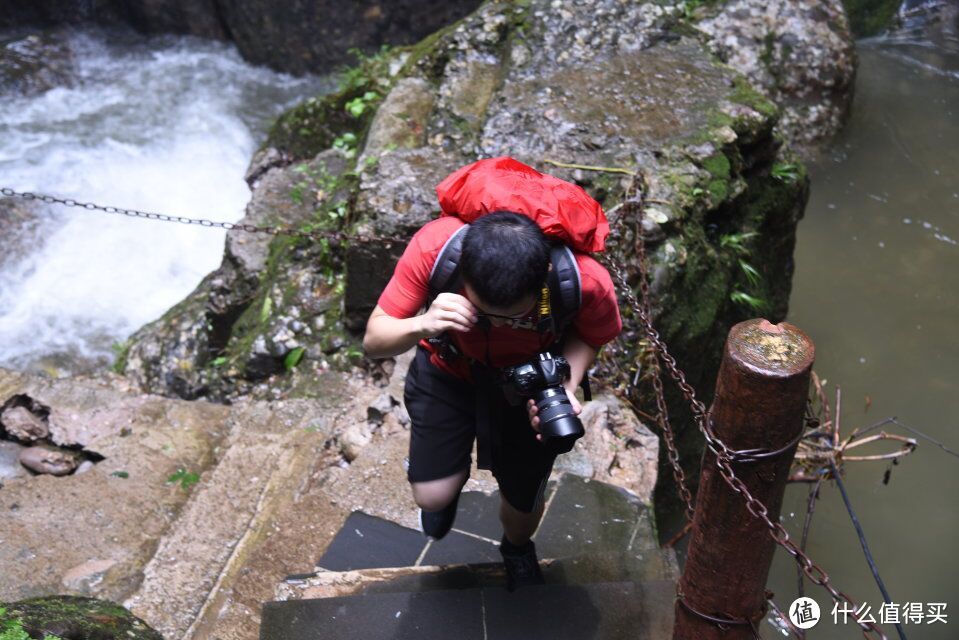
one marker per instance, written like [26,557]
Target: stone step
[604,611]
[581,516]
[647,565]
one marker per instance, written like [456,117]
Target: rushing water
[876,288]
[161,124]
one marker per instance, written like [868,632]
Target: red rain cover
[562,209]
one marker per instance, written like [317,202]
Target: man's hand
[532,409]
[449,311]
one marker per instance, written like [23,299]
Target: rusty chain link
[724,457]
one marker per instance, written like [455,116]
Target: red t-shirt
[596,323]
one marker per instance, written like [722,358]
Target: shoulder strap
[445,275]
[565,288]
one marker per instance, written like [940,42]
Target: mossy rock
[869,17]
[72,618]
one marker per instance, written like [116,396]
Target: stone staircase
[605,577]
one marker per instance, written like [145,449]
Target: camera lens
[558,424]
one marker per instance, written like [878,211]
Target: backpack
[569,216]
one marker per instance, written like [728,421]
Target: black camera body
[542,380]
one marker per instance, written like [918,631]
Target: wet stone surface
[593,517]
[366,542]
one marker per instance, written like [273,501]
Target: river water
[163,124]
[876,282]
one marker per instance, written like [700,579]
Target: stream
[162,124]
[877,272]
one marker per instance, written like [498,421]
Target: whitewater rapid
[161,124]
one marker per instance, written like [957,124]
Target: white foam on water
[165,125]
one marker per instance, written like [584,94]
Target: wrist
[420,332]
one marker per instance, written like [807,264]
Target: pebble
[45,459]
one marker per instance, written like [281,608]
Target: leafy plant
[346,143]
[293,358]
[366,68]
[737,241]
[296,192]
[754,303]
[358,105]
[786,172]
[219,362]
[751,274]
[186,478]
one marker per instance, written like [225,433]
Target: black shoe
[522,566]
[436,524]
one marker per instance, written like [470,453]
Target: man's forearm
[387,336]
[580,357]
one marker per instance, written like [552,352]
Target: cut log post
[760,402]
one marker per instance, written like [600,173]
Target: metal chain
[334,237]
[633,202]
[723,455]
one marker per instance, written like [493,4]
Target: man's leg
[441,436]
[434,495]
[518,526]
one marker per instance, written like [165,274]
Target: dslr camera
[542,380]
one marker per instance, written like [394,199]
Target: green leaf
[266,309]
[185,478]
[736,241]
[120,474]
[754,303]
[293,358]
[356,107]
[786,172]
[219,362]
[751,274]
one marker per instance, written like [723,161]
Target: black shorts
[443,413]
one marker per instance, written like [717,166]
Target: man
[451,395]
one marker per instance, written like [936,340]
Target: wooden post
[760,401]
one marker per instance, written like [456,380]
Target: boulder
[799,53]
[617,448]
[592,92]
[32,63]
[67,616]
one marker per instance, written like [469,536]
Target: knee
[430,497]
[431,500]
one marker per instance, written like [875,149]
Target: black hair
[505,258]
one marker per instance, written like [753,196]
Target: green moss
[718,165]
[121,351]
[697,298]
[719,190]
[77,616]
[314,125]
[869,17]
[744,93]
[252,322]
